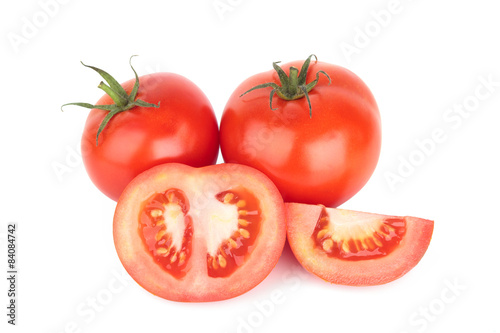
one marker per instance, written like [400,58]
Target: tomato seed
[160,234]
[233,243]
[222,261]
[162,251]
[345,247]
[243,222]
[328,245]
[244,233]
[321,233]
[228,197]
[370,244]
[376,239]
[156,212]
[174,258]
[182,258]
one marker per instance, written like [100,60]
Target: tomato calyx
[293,86]
[123,101]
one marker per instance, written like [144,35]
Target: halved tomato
[199,234]
[354,248]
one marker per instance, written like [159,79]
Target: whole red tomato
[318,141]
[181,127]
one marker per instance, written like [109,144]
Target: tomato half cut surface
[354,248]
[199,234]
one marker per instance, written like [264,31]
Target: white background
[428,57]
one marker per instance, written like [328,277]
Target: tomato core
[362,241]
[166,229]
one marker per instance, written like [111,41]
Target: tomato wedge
[354,248]
[199,234]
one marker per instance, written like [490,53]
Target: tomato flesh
[199,234]
[355,248]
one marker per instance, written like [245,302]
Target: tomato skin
[183,129]
[325,159]
[301,221]
[201,186]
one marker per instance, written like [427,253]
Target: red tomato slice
[355,248]
[199,234]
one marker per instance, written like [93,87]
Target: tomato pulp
[199,234]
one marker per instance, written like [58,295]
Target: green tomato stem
[113,89]
[293,86]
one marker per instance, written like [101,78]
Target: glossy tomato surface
[326,158]
[355,248]
[199,234]
[182,130]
